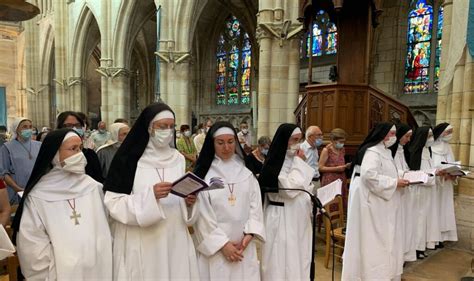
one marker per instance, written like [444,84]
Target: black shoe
[440,245]
[420,255]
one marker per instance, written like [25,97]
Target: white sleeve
[381,185]
[211,238]
[255,224]
[190,214]
[35,252]
[300,177]
[140,209]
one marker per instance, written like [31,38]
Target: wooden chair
[12,262]
[337,222]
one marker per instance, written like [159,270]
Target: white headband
[393,128]
[409,131]
[224,131]
[70,135]
[297,130]
[165,114]
[447,128]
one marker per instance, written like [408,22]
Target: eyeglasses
[70,125]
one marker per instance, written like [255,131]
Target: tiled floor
[442,265]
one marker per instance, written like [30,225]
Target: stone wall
[12,73]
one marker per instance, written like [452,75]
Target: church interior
[331,63]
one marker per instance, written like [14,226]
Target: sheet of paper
[6,246]
[416,177]
[327,193]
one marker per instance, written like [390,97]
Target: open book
[417,177]
[192,184]
[454,170]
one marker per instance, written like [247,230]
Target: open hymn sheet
[6,247]
[328,192]
[192,184]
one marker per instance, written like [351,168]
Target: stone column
[174,55]
[456,107]
[278,64]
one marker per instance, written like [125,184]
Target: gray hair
[264,140]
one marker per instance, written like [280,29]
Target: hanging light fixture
[17,10]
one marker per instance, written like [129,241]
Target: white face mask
[245,131]
[162,138]
[293,149]
[75,164]
[391,141]
[429,142]
[447,138]
[187,133]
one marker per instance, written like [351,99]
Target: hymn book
[190,184]
[416,177]
[454,170]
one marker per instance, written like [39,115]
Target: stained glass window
[233,68]
[439,34]
[324,33]
[420,45]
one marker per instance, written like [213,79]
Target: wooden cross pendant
[75,217]
[232,200]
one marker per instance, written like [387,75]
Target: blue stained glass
[324,35]
[417,63]
[233,58]
[439,34]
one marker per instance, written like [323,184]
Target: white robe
[51,246]
[374,246]
[447,221]
[151,239]
[220,222]
[424,194]
[408,208]
[286,255]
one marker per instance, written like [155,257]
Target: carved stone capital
[282,31]
[113,72]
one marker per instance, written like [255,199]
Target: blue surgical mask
[264,151]
[26,134]
[80,131]
[318,142]
[339,145]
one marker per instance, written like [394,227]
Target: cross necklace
[29,151]
[75,215]
[231,198]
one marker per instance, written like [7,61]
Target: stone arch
[85,83]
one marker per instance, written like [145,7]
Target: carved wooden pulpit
[350,103]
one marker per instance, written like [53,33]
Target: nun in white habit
[231,219]
[149,224]
[61,227]
[442,152]
[286,254]
[373,248]
[408,194]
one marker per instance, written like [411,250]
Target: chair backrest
[335,210]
